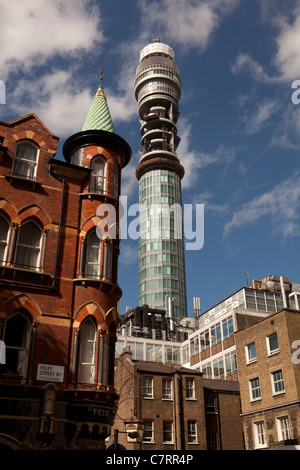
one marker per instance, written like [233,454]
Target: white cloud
[288,43]
[185,22]
[286,60]
[245,63]
[261,116]
[34,31]
[281,205]
[55,99]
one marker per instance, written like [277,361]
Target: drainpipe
[53,284]
[283,292]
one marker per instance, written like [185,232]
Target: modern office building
[162,283]
[207,342]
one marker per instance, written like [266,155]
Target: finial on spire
[101,75]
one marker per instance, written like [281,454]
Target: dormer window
[25,160]
[98,175]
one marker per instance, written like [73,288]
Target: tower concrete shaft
[161,244]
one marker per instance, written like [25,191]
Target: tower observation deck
[161,245]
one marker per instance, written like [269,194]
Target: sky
[239,118]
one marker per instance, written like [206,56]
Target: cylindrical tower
[161,245]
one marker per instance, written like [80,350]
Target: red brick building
[58,279]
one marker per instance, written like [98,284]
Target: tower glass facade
[161,244]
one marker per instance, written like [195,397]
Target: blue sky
[239,129]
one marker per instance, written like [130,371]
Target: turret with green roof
[98,117]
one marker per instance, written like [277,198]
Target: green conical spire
[99,117]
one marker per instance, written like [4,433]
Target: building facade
[179,409]
[269,376]
[162,283]
[58,280]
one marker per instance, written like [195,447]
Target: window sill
[148,398]
[33,181]
[17,269]
[254,400]
[90,193]
[191,399]
[148,442]
[167,399]
[276,394]
[99,280]
[253,361]
[273,353]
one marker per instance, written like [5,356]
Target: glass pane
[273,341]
[26,151]
[30,234]
[4,227]
[16,330]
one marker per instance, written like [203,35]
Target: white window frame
[274,382]
[252,389]
[148,387]
[250,360]
[192,431]
[167,389]
[190,390]
[260,439]
[149,424]
[95,262]
[283,428]
[272,351]
[24,160]
[212,404]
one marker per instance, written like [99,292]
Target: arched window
[98,175]
[93,255]
[25,160]
[28,246]
[87,352]
[4,231]
[17,341]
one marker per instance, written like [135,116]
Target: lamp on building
[134,428]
